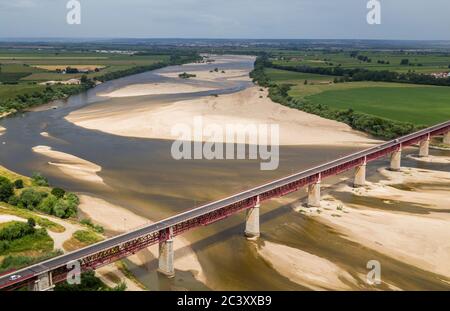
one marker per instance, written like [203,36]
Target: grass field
[40,66]
[417,105]
[421,105]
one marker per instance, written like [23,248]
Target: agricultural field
[417,62]
[417,104]
[42,66]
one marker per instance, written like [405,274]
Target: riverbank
[404,216]
[118,220]
[250,106]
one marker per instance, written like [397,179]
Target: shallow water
[142,177]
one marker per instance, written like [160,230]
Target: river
[142,177]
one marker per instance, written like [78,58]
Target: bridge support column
[43,283]
[166,257]
[396,160]
[360,176]
[252,231]
[314,195]
[447,138]
[424,148]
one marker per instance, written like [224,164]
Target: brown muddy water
[142,177]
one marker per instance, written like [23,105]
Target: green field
[419,62]
[20,67]
[286,76]
[417,105]
[420,105]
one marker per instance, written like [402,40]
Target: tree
[404,62]
[39,180]
[6,189]
[18,184]
[30,198]
[58,192]
[47,205]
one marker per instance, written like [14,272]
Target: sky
[258,19]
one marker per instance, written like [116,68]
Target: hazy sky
[328,19]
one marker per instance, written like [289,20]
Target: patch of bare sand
[419,239]
[212,76]
[431,159]
[71,165]
[8,218]
[118,219]
[250,106]
[304,268]
[156,89]
[2,130]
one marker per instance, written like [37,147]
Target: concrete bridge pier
[447,138]
[43,283]
[166,257]
[424,148]
[396,159]
[314,194]
[252,230]
[360,176]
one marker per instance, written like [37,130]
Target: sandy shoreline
[211,76]
[305,269]
[155,89]
[250,106]
[71,165]
[120,220]
[417,238]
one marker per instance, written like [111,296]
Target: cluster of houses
[441,75]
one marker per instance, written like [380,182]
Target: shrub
[65,208]
[39,180]
[58,192]
[13,200]
[73,198]
[47,205]
[31,222]
[30,198]
[16,231]
[18,184]
[6,189]
[96,228]
[4,246]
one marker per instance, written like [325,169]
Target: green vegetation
[89,282]
[80,239]
[418,105]
[395,60]
[19,261]
[42,222]
[186,75]
[96,228]
[38,196]
[18,237]
[383,109]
